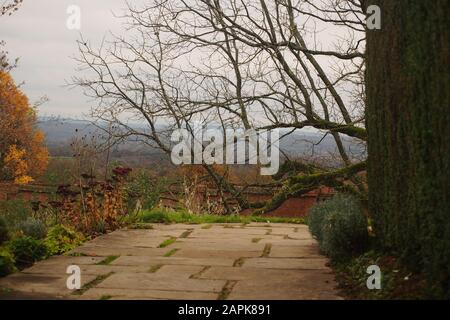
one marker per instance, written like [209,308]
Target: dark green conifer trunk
[408,123]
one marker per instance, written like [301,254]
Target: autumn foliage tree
[23,155]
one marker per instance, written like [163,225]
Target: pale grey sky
[38,36]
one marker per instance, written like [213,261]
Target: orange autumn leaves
[23,155]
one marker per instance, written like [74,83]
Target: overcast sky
[38,36]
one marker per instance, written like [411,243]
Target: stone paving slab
[222,231]
[311,286]
[205,262]
[305,251]
[253,274]
[96,270]
[298,235]
[234,245]
[178,226]
[289,242]
[134,294]
[156,281]
[288,263]
[130,261]
[45,284]
[65,260]
[210,254]
[104,251]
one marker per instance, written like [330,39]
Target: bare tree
[266,64]
[9,6]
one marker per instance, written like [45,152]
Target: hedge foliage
[340,226]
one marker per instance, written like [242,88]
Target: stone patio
[208,262]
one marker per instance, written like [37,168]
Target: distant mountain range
[305,143]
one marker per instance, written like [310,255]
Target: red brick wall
[295,207]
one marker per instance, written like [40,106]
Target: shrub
[33,228]
[61,239]
[3,231]
[340,226]
[101,205]
[316,218]
[7,262]
[15,211]
[145,190]
[27,250]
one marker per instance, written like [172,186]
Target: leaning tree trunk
[408,123]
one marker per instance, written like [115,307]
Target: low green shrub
[7,262]
[27,250]
[4,235]
[340,226]
[33,228]
[316,217]
[61,239]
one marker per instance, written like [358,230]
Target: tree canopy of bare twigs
[9,6]
[266,64]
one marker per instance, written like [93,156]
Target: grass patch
[155,268]
[105,297]
[207,226]
[256,240]
[107,260]
[161,215]
[167,242]
[141,226]
[266,250]
[186,233]
[226,290]
[239,262]
[92,284]
[171,253]
[6,290]
[198,274]
[77,254]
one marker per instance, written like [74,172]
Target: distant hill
[306,143]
